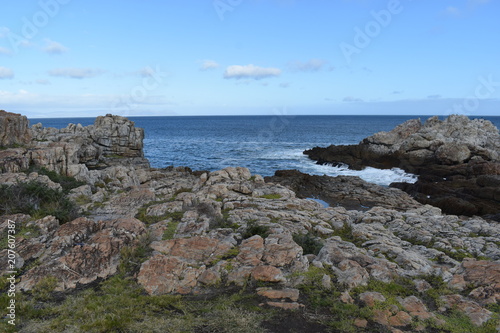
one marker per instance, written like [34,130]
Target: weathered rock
[400,319]
[268,274]
[79,252]
[483,276]
[195,249]
[167,274]
[370,298]
[415,307]
[288,293]
[449,156]
[251,251]
[474,311]
[346,191]
[13,129]
[352,265]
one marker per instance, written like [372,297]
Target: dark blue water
[263,144]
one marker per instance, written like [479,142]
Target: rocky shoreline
[457,161]
[375,260]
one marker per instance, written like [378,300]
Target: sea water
[263,144]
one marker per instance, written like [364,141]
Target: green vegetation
[216,221]
[309,243]
[131,257]
[151,219]
[82,200]
[346,234]
[23,231]
[231,254]
[169,233]
[271,196]
[43,289]
[67,183]
[458,254]
[120,305]
[457,322]
[179,191]
[253,228]
[37,200]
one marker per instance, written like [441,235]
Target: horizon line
[269,115]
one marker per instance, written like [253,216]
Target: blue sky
[64,58]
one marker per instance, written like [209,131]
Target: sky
[73,58]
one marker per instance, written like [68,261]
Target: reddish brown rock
[477,314]
[346,298]
[80,251]
[209,277]
[251,251]
[199,249]
[240,275]
[281,250]
[268,274]
[381,316]
[163,275]
[291,294]
[400,319]
[286,305]
[360,322]
[484,275]
[352,274]
[415,307]
[370,298]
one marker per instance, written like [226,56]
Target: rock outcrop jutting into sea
[457,160]
[375,260]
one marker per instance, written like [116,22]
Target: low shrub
[274,196]
[67,183]
[253,228]
[309,243]
[37,200]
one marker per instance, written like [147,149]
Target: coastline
[173,231]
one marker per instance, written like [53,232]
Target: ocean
[263,144]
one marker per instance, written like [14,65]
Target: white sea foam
[372,175]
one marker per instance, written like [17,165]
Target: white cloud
[312,65]
[352,99]
[52,47]
[208,64]
[5,51]
[6,73]
[23,99]
[250,72]
[75,73]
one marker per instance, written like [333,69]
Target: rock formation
[14,129]
[76,150]
[457,161]
[377,257]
